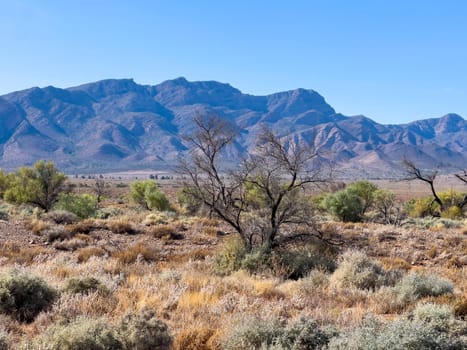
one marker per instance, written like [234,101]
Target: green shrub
[355,269]
[365,190]
[148,195]
[82,205]
[144,331]
[23,296]
[188,200]
[80,334]
[229,259]
[84,285]
[346,205]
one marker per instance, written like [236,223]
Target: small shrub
[83,334]
[4,214]
[158,218]
[253,334]
[160,231]
[58,233]
[357,270]
[105,213]
[82,205]
[397,335]
[84,285]
[229,259]
[148,195]
[61,217]
[411,288]
[23,296]
[415,286]
[304,334]
[460,308]
[144,331]
[346,205]
[270,334]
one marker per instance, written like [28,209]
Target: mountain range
[117,124]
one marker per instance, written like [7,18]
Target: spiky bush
[23,296]
[83,333]
[144,331]
[356,270]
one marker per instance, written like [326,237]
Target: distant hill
[120,125]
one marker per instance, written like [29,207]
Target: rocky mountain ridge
[119,125]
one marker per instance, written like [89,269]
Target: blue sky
[393,61]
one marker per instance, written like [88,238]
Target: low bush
[84,286]
[148,195]
[144,331]
[271,334]
[57,233]
[229,258]
[23,296]
[4,213]
[83,333]
[346,205]
[411,288]
[289,264]
[82,205]
[356,270]
[415,286]
[404,333]
[61,217]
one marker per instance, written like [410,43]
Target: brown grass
[198,338]
[138,251]
[84,254]
[16,254]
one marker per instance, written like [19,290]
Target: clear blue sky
[391,60]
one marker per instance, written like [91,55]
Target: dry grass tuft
[20,255]
[84,254]
[121,225]
[38,226]
[138,252]
[199,338]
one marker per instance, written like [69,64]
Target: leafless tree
[416,173]
[100,188]
[264,193]
[462,176]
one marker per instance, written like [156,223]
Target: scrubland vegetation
[97,264]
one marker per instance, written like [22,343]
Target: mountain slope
[118,124]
